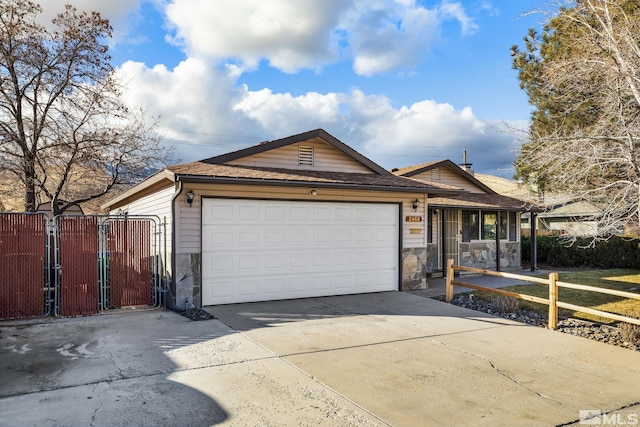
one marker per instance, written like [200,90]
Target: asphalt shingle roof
[202,169]
[482,201]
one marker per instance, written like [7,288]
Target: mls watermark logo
[596,417]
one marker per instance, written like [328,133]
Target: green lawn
[620,279]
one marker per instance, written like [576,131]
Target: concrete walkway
[374,359]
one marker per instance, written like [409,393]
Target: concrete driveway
[374,359]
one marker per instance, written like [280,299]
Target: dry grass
[505,304]
[619,279]
[631,332]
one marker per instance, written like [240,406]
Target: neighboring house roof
[576,209]
[482,201]
[490,200]
[71,210]
[410,171]
[507,187]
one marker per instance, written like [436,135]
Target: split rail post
[553,301]
[449,284]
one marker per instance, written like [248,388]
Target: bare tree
[65,132]
[583,77]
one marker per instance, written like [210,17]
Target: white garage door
[256,250]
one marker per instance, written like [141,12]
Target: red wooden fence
[77,265]
[78,254]
[22,255]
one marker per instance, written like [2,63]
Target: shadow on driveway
[111,370]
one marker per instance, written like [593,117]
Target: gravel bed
[595,331]
[197,314]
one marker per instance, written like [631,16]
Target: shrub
[505,304]
[630,332]
[617,252]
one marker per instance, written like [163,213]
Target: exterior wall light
[190,197]
[416,204]
[313,192]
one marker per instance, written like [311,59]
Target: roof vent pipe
[464,165]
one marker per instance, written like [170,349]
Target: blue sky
[403,82]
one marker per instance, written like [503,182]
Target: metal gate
[79,265]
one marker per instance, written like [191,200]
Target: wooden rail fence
[553,284]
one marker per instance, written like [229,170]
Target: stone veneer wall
[188,276]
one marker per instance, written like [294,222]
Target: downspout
[172,282]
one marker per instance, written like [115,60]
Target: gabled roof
[411,171]
[294,139]
[215,170]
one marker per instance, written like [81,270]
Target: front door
[450,236]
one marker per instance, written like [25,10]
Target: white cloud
[378,36]
[194,103]
[117,12]
[290,34]
[456,11]
[395,35]
[285,114]
[204,111]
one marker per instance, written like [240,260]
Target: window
[479,225]
[470,226]
[489,225]
[504,221]
[513,226]
[305,155]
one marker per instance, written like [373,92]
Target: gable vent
[435,174]
[305,155]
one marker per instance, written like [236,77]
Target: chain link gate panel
[105,263]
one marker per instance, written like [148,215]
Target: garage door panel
[274,214]
[298,213]
[247,287]
[273,263]
[220,212]
[219,265]
[344,282]
[322,214]
[261,250]
[322,282]
[274,286]
[298,262]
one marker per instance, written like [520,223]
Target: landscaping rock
[197,314]
[582,328]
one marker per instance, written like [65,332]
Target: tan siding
[188,237]
[449,177]
[326,158]
[409,239]
[188,234]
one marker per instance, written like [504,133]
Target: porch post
[498,240]
[534,253]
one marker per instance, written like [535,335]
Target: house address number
[413,218]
